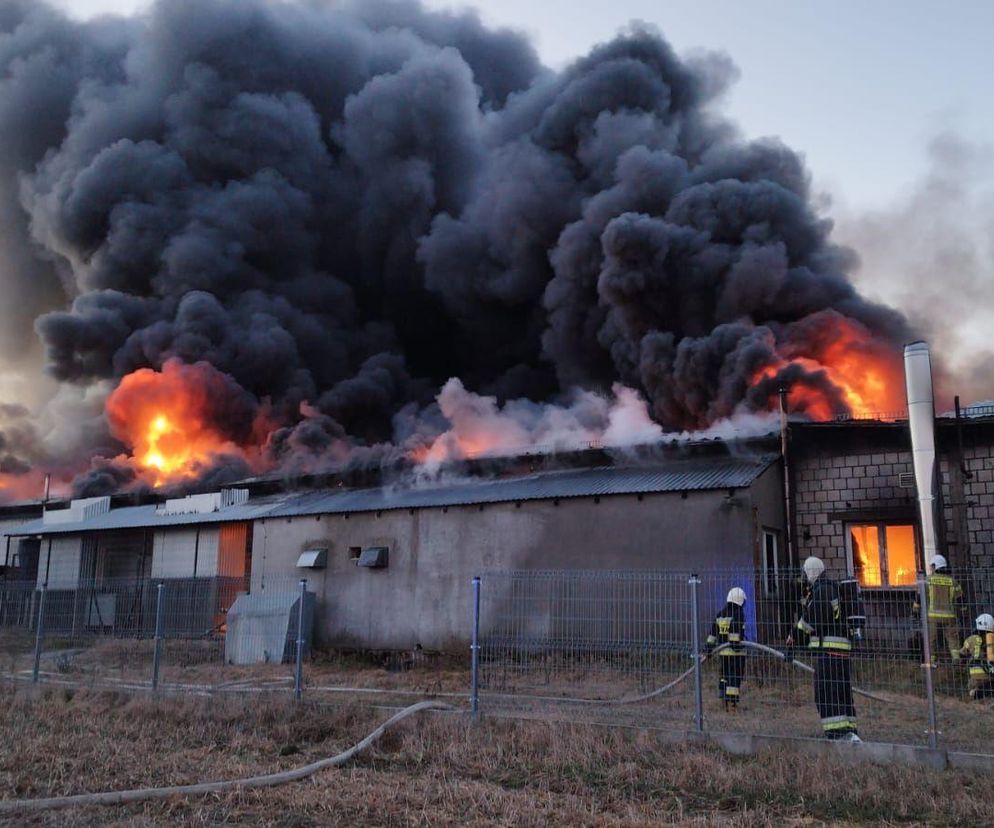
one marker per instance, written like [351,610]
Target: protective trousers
[981,684]
[732,670]
[833,695]
[949,630]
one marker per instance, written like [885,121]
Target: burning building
[248,238]
[390,564]
[254,243]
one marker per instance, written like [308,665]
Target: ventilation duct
[921,421]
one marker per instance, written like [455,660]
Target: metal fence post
[157,652]
[474,676]
[39,634]
[298,676]
[933,740]
[695,635]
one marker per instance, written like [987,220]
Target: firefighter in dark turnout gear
[979,649]
[824,622]
[729,628]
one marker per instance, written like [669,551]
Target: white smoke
[480,427]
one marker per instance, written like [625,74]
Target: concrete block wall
[828,481]
[837,473]
[979,491]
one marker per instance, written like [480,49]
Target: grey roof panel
[141,517]
[698,474]
[695,475]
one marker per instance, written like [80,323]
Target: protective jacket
[943,591]
[825,622]
[980,652]
[822,618]
[728,628]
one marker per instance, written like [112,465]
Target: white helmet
[939,562]
[736,595]
[813,568]
[985,622]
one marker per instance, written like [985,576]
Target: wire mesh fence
[742,651]
[176,634]
[739,651]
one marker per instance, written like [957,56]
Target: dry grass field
[435,770]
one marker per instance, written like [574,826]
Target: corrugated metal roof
[149,516]
[697,474]
[685,475]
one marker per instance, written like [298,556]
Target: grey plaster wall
[423,596]
[767,497]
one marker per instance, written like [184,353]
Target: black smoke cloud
[342,207]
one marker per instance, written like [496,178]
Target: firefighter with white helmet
[824,620]
[979,649]
[729,628]
[943,593]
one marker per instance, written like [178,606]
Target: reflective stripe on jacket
[975,649]
[729,628]
[822,618]
[942,594]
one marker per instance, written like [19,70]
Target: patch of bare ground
[435,770]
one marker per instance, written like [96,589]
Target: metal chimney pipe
[921,421]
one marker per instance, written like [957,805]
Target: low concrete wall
[745,744]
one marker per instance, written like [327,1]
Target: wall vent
[906,480]
[314,558]
[374,557]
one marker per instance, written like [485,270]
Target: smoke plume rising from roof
[340,208]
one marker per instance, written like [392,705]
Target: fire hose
[687,673]
[200,788]
[296,774]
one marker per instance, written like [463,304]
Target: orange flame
[865,371]
[169,420]
[29,486]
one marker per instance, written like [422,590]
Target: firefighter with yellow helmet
[979,649]
[729,628]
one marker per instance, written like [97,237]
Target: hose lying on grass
[197,789]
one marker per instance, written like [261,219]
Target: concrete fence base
[745,744]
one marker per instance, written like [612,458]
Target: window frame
[881,526]
[770,576]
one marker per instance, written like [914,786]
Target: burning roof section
[695,473]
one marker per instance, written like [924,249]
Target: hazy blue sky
[890,102]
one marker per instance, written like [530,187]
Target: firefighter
[729,628]
[979,649]
[943,592]
[823,621]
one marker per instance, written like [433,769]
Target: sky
[889,102]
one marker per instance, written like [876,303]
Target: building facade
[390,565]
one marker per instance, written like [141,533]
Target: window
[883,554]
[771,561]
[355,552]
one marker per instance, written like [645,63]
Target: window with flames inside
[883,554]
